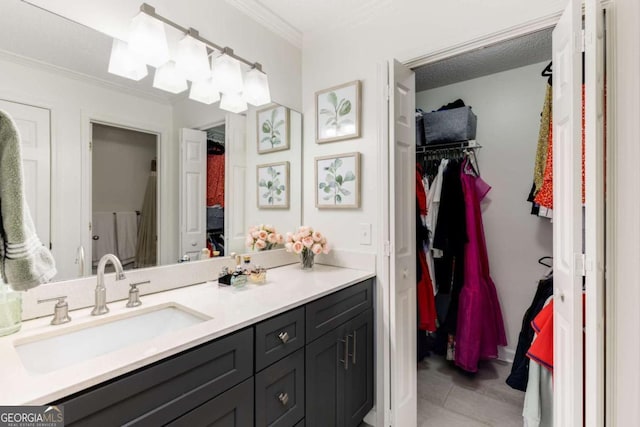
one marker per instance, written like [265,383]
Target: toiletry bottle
[238,278]
[248,267]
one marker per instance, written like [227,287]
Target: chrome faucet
[101,291]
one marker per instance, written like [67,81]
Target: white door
[35,135]
[193,189]
[594,213]
[235,222]
[567,218]
[402,213]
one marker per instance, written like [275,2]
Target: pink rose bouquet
[306,241]
[263,237]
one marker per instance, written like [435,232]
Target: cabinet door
[233,408]
[358,396]
[280,392]
[325,367]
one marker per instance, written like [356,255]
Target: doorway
[215,189]
[567,230]
[124,195]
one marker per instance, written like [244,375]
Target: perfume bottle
[238,278]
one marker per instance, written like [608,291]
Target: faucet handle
[134,294]
[60,310]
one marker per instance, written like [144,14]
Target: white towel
[24,261]
[104,229]
[126,236]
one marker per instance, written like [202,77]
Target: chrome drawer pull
[284,337]
[345,361]
[283,398]
[353,355]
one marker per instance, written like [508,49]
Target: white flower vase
[307,259]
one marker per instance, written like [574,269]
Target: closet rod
[436,148]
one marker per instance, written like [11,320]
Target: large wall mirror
[116,166]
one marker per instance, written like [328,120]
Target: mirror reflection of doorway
[124,196]
[215,189]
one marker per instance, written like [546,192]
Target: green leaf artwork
[272,189]
[272,130]
[335,117]
[335,181]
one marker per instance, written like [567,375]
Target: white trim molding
[265,16]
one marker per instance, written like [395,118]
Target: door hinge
[50,246]
[89,225]
[582,41]
[90,145]
[388,248]
[387,92]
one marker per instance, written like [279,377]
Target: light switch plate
[365,233]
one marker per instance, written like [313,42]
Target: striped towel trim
[22,250]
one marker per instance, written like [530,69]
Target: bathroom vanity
[295,351]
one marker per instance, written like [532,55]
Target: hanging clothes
[519,375]
[215,179]
[147,245]
[480,327]
[543,140]
[425,294]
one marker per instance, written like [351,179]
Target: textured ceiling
[514,53]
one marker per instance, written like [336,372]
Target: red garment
[421,194]
[215,180]
[426,299]
[541,349]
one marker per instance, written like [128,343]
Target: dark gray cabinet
[339,364]
[312,365]
[234,408]
[279,397]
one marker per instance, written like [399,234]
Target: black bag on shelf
[452,125]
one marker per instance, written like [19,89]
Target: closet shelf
[460,145]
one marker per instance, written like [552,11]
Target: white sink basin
[47,352]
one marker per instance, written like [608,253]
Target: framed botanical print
[273,129]
[337,181]
[273,185]
[338,112]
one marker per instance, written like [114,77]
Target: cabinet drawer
[278,337]
[167,389]
[331,311]
[280,392]
[233,408]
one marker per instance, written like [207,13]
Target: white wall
[121,165]
[402,29]
[73,101]
[508,106]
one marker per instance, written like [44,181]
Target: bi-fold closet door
[572,386]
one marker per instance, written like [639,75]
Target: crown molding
[263,15]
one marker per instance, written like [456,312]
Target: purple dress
[480,328]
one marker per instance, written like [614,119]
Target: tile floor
[447,397]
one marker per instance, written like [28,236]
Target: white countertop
[230,309]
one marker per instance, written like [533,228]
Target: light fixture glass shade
[256,88]
[169,78]
[204,91]
[192,59]
[234,103]
[147,39]
[125,63]
[227,73]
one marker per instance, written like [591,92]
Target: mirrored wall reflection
[100,134]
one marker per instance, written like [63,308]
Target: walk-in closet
[482,131]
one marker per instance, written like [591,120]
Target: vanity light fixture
[233,102]
[192,59]
[256,87]
[125,63]
[169,78]
[204,91]
[227,72]
[148,40]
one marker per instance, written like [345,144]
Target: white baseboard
[506,354]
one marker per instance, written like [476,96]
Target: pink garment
[480,328]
